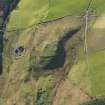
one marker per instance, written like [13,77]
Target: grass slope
[28,13]
[34,11]
[59,8]
[99,6]
[92,79]
[91,76]
[28,82]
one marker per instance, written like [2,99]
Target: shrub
[95,102]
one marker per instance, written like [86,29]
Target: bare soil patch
[68,94]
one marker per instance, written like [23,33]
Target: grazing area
[28,13]
[59,8]
[44,11]
[52,52]
[99,6]
[89,72]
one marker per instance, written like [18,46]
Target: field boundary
[47,20]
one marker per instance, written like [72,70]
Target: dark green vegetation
[7,2]
[95,102]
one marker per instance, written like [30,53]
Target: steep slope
[41,45]
[28,13]
[44,61]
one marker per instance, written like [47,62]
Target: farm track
[85,34]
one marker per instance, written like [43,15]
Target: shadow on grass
[58,60]
[1,50]
[7,8]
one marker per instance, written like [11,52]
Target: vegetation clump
[95,102]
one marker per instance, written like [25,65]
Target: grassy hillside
[53,68]
[28,13]
[34,11]
[89,72]
[30,76]
[90,78]
[59,8]
[99,6]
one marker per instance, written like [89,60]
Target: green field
[91,77]
[26,15]
[89,70]
[59,8]
[99,6]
